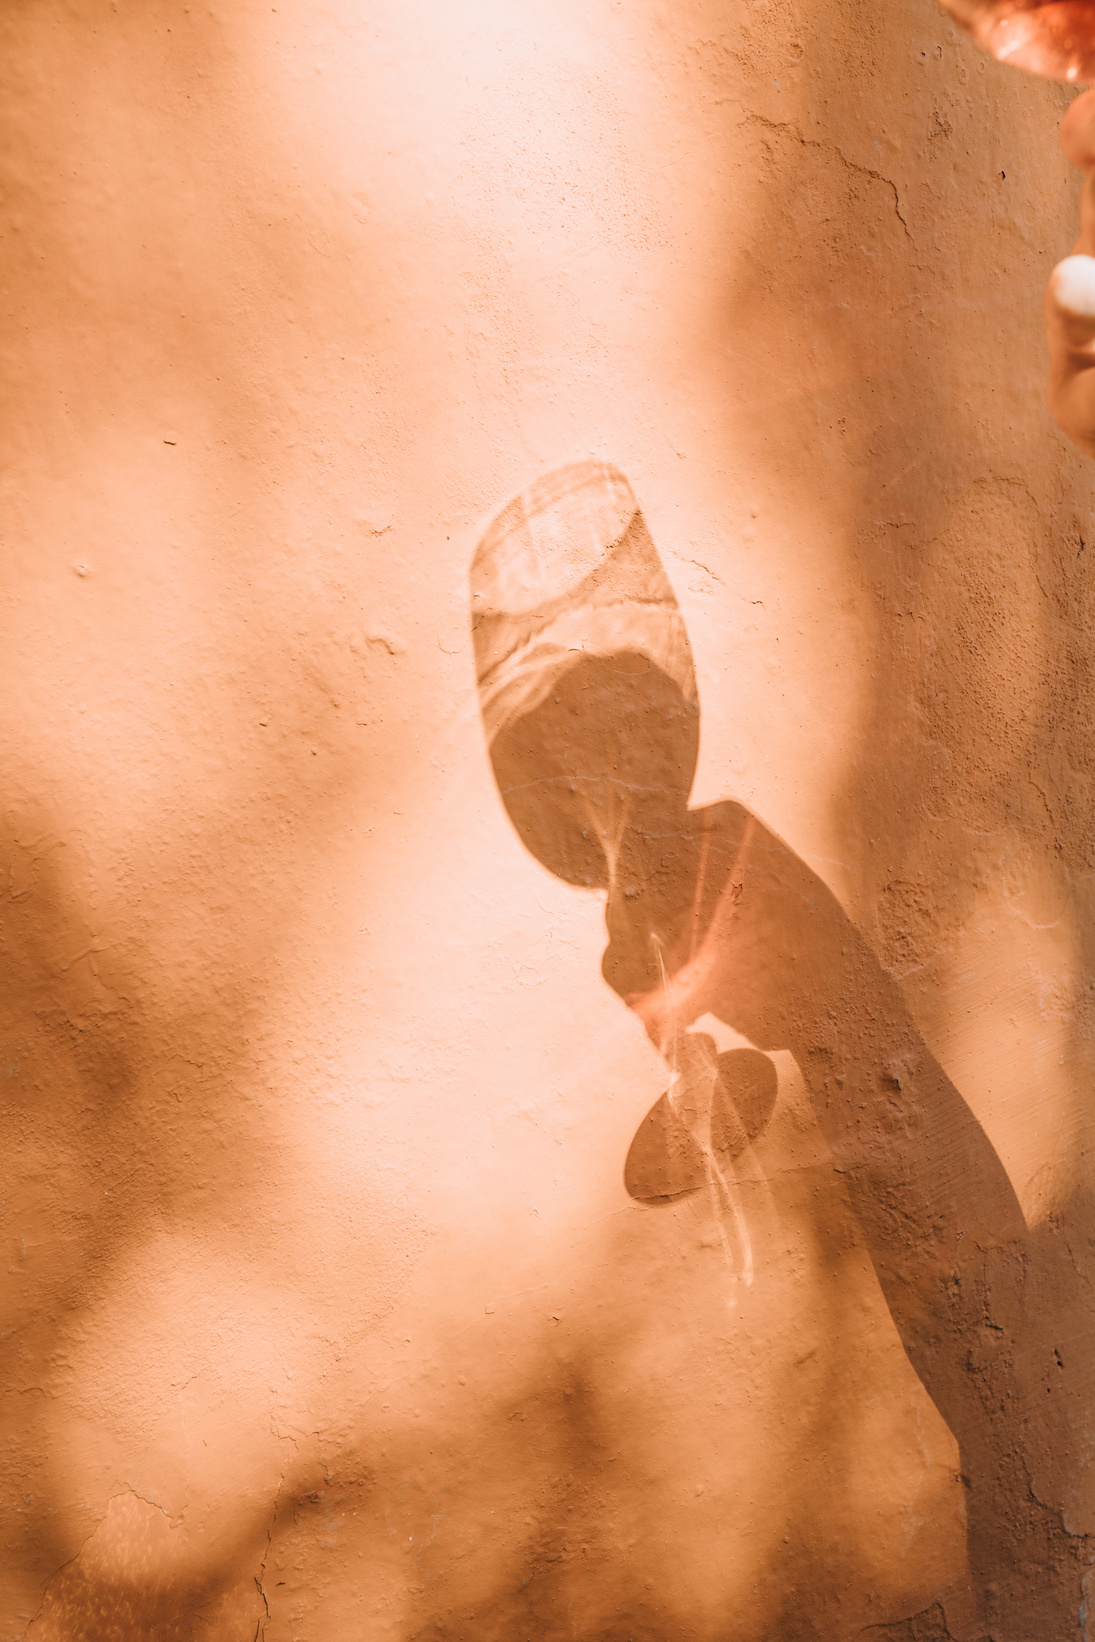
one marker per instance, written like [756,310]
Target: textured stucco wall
[328,1315]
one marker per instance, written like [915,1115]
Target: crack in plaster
[77,1554]
[788,127]
[260,1627]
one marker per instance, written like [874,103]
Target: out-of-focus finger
[1070,293]
[1077,133]
[1070,300]
[1085,242]
[1070,334]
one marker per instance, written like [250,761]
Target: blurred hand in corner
[1070,293]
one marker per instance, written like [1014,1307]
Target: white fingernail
[1073,286]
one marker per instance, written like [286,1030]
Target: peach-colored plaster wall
[328,1315]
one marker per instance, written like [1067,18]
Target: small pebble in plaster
[377,524]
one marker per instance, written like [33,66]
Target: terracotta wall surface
[612,1166]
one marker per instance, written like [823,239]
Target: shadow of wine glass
[591,713]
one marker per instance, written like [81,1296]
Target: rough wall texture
[368,1277]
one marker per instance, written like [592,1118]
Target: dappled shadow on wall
[591,713]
